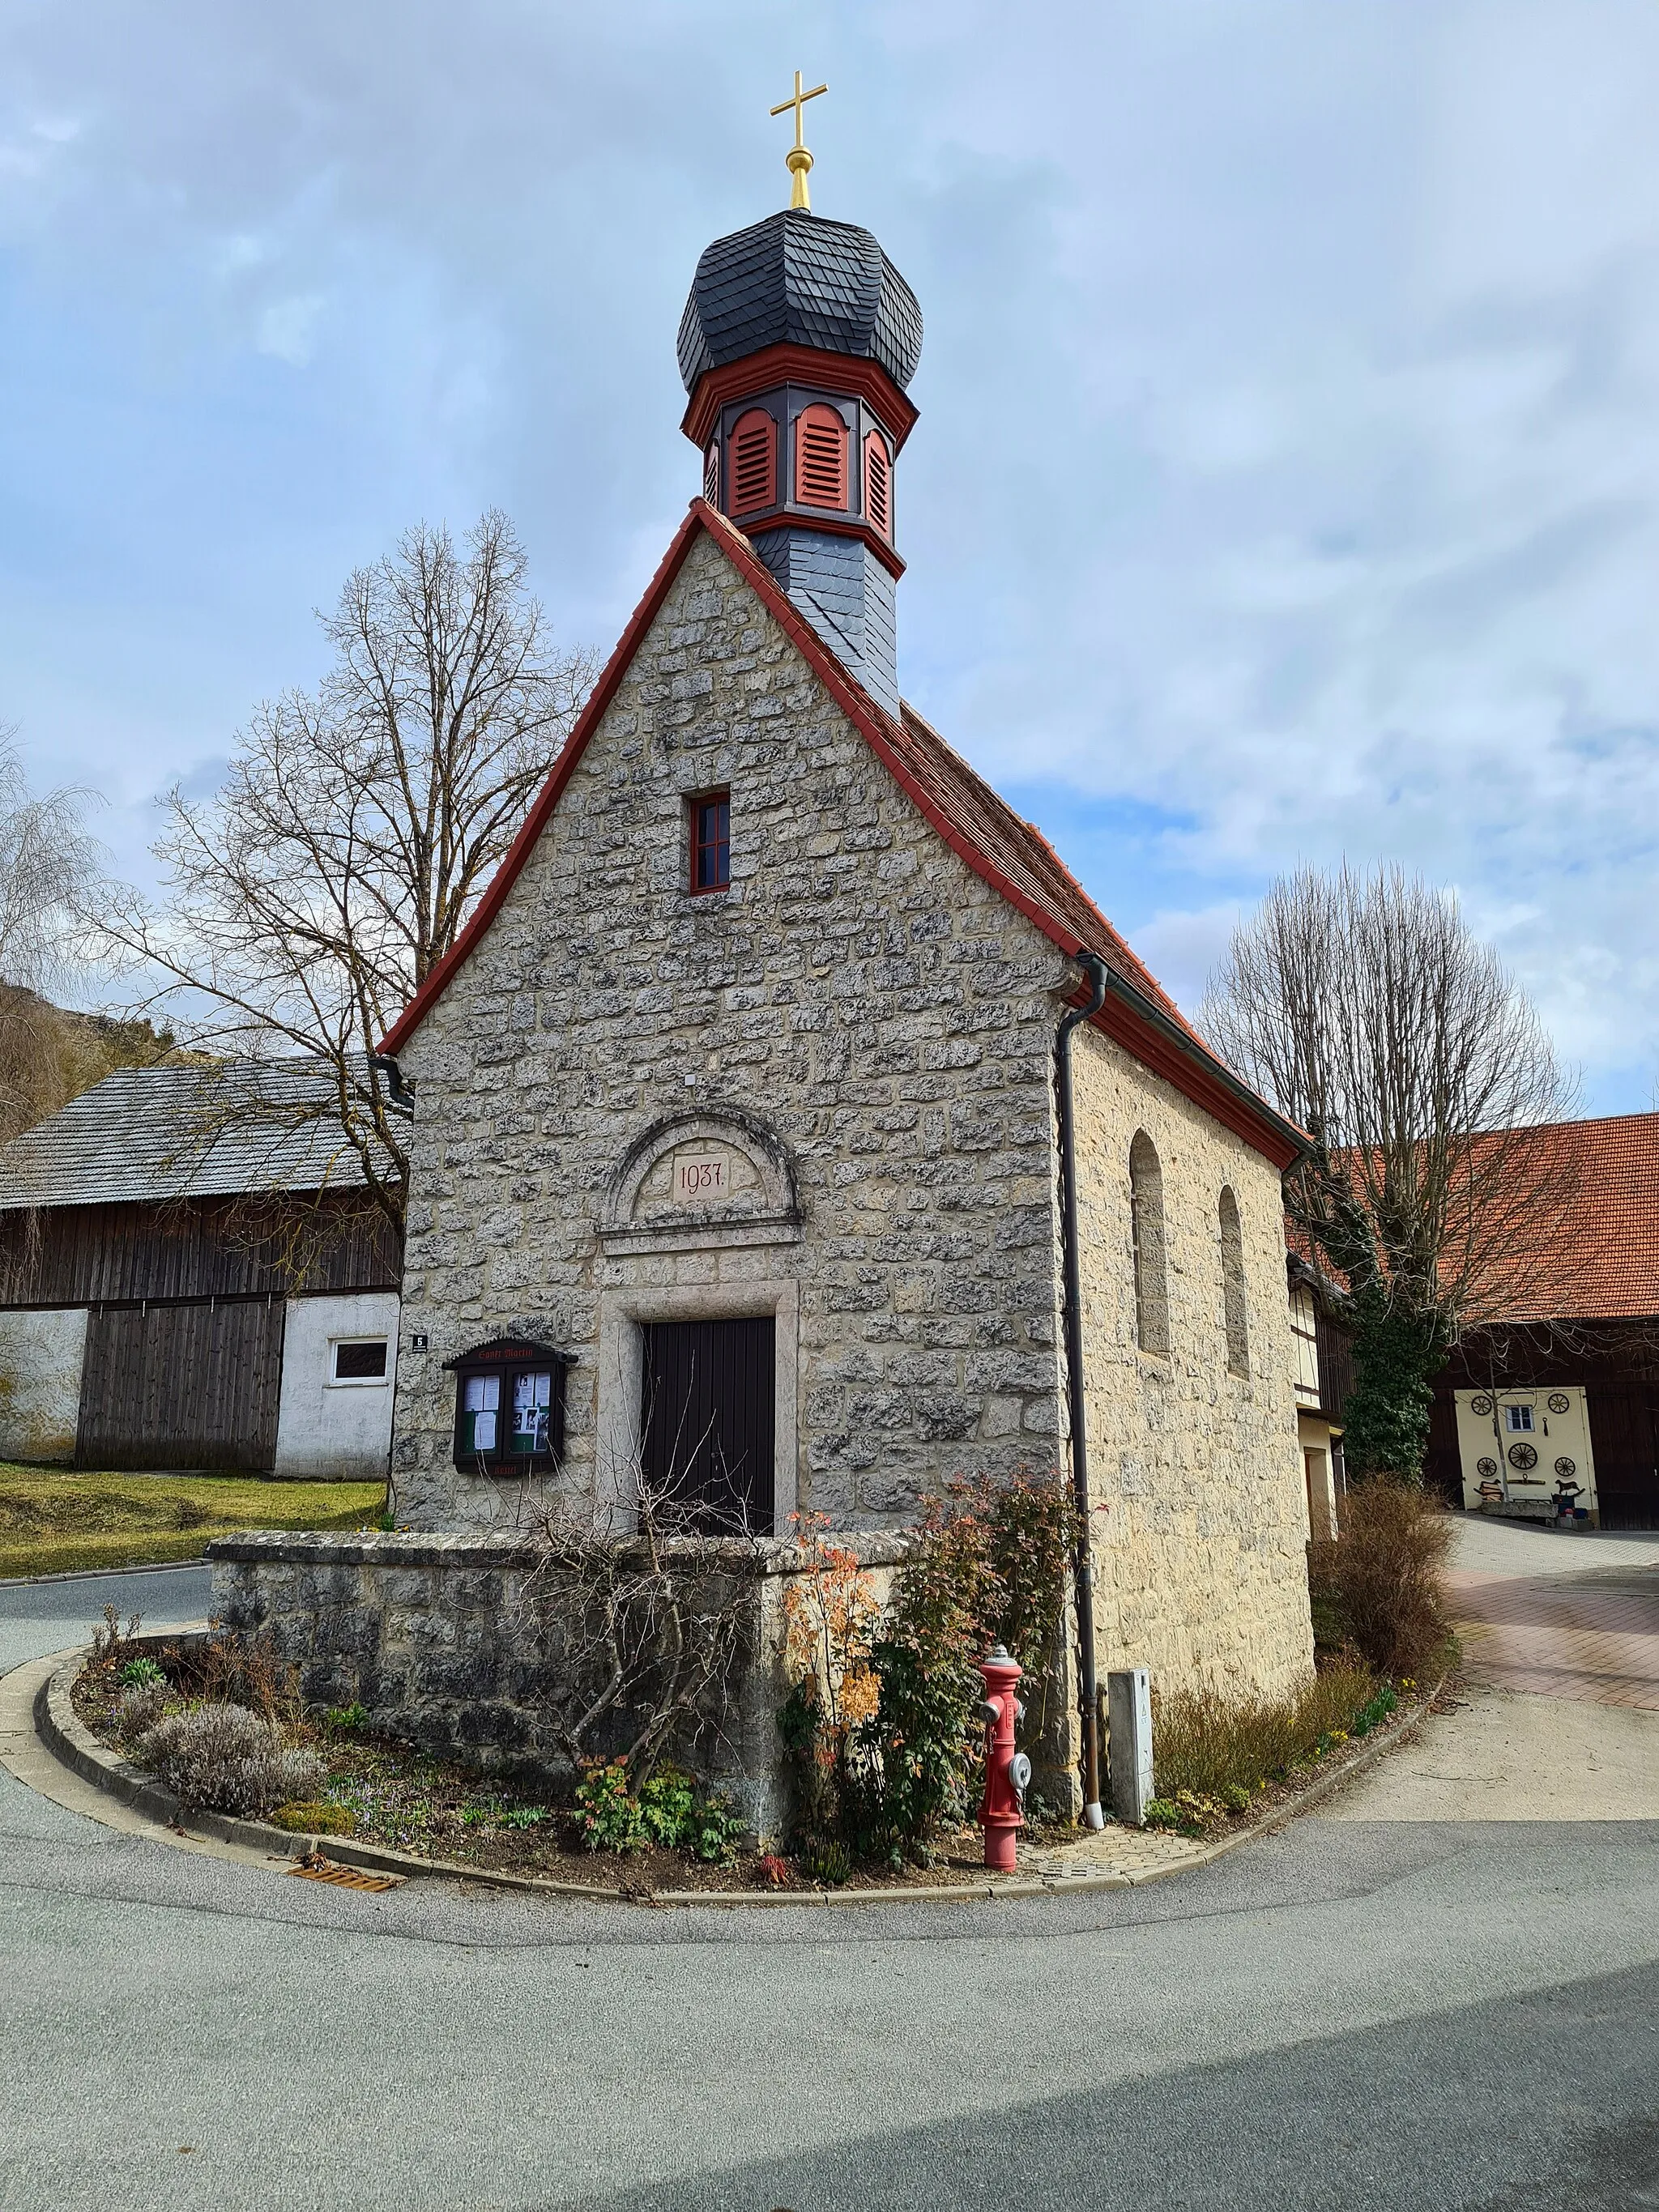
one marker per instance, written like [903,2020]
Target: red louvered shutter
[820,458]
[878,483]
[711,473]
[753,462]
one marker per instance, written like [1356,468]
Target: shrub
[242,1670]
[225,1758]
[1380,1584]
[1208,1746]
[141,1705]
[607,1812]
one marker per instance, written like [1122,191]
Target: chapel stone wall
[1200,1569]
[859,1001]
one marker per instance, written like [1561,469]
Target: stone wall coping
[765,1556]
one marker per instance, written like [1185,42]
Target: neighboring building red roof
[1608,1269]
[1008,854]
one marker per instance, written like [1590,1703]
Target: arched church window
[879,484]
[820,458]
[753,462]
[1147,1220]
[1232,1285]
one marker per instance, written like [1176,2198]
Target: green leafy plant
[346,1720]
[524,1816]
[607,1812]
[141,1674]
[829,1862]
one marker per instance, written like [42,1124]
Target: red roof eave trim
[1119,1020]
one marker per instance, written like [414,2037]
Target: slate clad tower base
[797,344]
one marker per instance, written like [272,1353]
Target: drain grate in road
[345,1877]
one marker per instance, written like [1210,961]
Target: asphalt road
[1373,2012]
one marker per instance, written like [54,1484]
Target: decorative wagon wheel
[1564,1466]
[1560,1402]
[1481,1403]
[1487,1467]
[1523,1456]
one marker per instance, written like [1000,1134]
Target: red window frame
[709,820]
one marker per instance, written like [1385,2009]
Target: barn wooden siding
[212,1247]
[186,1386]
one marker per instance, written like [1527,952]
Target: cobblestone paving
[1137,1854]
[1593,1637]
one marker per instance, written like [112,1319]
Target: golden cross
[798,160]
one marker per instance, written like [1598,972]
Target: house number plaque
[701,1178]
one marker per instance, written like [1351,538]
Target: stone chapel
[738,1156]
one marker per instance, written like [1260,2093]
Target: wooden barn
[192,1275]
[1560,1393]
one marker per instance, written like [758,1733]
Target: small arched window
[879,484]
[754,470]
[1146,1219]
[820,458]
[1232,1287]
[711,473]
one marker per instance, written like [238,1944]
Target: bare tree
[49,869]
[1366,1011]
[357,828]
[647,1627]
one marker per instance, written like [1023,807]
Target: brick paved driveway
[1579,1621]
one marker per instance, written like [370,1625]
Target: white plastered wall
[328,1430]
[40,1359]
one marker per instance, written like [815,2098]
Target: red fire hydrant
[1007,1772]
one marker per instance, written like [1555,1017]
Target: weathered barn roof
[982,829]
[150,1133]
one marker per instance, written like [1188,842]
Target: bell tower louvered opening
[754,472]
[821,459]
[879,484]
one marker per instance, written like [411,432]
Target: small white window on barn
[1517,1418]
[357,1359]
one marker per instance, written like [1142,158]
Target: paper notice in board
[484,1432]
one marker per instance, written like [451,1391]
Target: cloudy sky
[1287,479]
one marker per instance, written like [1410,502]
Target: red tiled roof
[1608,1268]
[1009,854]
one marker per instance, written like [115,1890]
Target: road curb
[62,1733]
[102,1574]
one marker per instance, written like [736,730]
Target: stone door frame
[624,1307]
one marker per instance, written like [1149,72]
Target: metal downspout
[1082,1565]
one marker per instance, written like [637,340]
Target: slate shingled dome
[795,279]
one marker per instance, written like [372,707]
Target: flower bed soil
[387,1792]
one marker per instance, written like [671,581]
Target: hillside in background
[49,1055]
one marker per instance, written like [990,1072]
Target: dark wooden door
[706,1414]
[181,1387]
[1624,1419]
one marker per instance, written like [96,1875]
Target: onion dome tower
[796,346]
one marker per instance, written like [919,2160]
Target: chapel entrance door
[706,1418]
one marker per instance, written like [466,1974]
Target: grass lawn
[53,1523]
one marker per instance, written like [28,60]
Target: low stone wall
[445,1642]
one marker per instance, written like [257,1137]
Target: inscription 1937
[697,1179]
